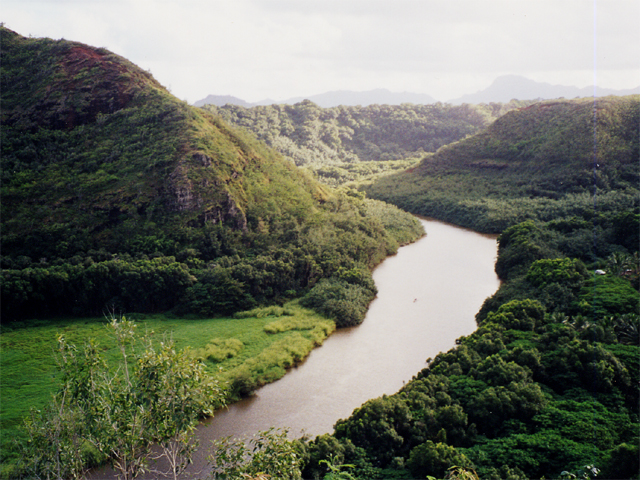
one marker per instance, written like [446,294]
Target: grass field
[244,352]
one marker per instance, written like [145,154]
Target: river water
[428,295]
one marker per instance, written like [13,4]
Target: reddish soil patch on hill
[95,83]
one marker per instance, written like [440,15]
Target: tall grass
[237,351]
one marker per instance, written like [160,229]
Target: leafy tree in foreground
[153,397]
[268,454]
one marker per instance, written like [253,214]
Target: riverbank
[428,294]
[267,342]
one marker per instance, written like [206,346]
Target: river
[428,295]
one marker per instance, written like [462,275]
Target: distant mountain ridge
[502,90]
[380,96]
[221,100]
[508,87]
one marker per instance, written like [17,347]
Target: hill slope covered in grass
[535,162]
[115,193]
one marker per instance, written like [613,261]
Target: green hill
[116,193]
[547,386]
[535,162]
[348,143]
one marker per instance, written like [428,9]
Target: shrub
[518,315]
[434,459]
[219,350]
[339,300]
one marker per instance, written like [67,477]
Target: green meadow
[243,352]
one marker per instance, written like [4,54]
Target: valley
[251,234]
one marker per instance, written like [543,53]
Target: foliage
[433,459]
[343,144]
[268,454]
[605,294]
[155,396]
[558,270]
[115,194]
[337,472]
[345,303]
[30,375]
[517,315]
[218,349]
[534,163]
[548,383]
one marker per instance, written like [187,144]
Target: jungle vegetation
[115,195]
[548,384]
[551,160]
[344,144]
[119,198]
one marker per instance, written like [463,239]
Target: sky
[278,49]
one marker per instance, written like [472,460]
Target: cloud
[283,48]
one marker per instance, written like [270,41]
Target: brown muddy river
[428,295]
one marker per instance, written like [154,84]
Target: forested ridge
[348,143]
[544,161]
[547,387]
[120,200]
[115,193]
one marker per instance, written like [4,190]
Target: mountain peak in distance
[222,100]
[509,87]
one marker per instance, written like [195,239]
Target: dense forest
[547,387]
[348,143]
[115,193]
[547,161]
[118,197]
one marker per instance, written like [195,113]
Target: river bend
[428,295]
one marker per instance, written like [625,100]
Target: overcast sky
[258,49]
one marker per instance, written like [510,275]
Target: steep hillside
[531,163]
[110,185]
[94,151]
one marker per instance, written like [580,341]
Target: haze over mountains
[380,96]
[509,87]
[503,89]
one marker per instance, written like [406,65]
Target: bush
[219,350]
[518,315]
[607,295]
[339,300]
[557,270]
[434,459]
[261,312]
